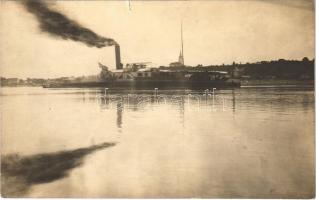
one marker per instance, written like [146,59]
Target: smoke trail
[59,25]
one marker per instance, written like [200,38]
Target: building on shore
[180,62]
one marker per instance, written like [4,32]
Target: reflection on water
[20,173]
[119,109]
[248,142]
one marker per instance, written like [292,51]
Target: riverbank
[268,82]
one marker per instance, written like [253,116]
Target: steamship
[141,76]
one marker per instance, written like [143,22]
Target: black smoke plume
[59,25]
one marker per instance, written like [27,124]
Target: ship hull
[149,84]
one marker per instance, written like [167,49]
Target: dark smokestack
[59,25]
[118,57]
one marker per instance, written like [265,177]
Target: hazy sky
[215,32]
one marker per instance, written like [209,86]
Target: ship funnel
[118,57]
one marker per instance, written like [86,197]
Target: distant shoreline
[271,82]
[244,83]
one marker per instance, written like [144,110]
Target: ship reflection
[119,114]
[233,101]
[182,102]
[134,103]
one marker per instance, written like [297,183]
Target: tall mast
[182,43]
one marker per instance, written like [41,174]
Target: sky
[214,32]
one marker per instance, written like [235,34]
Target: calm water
[248,142]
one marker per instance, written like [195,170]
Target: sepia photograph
[157,99]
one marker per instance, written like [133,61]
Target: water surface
[248,142]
